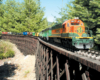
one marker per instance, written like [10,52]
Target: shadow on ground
[7,71]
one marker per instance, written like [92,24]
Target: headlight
[72,21]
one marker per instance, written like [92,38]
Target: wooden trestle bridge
[56,63]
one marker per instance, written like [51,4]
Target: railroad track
[80,65]
[93,54]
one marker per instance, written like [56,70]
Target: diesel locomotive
[71,33]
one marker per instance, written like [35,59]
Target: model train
[71,33]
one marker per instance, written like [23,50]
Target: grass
[26,72]
[6,49]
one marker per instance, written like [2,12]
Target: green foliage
[87,10]
[20,17]
[98,30]
[0,2]
[9,53]
[1,56]
[6,49]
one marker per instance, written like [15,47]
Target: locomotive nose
[82,43]
[84,46]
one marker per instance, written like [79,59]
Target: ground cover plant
[6,49]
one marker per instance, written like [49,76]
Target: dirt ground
[23,67]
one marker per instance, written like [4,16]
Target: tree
[86,10]
[9,22]
[33,16]
[20,17]
[1,15]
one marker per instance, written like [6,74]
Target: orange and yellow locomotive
[72,33]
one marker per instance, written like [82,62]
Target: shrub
[10,53]
[1,55]
[6,49]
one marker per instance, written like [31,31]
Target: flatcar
[71,33]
